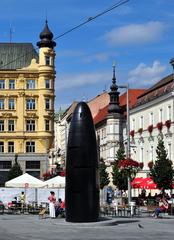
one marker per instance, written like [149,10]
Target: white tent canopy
[25,180]
[56,182]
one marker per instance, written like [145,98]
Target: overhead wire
[116,5]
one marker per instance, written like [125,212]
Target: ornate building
[26,104]
[150,119]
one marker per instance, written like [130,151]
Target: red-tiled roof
[163,82]
[133,94]
[102,114]
[160,88]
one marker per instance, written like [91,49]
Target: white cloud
[135,33]
[98,57]
[143,76]
[82,79]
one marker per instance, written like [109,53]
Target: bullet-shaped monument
[82,178]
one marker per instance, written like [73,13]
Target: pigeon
[140,226]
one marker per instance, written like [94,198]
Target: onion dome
[46,37]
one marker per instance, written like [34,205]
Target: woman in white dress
[52,200]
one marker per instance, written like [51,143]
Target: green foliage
[119,178]
[104,176]
[162,171]
[15,171]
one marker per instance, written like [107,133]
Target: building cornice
[151,103]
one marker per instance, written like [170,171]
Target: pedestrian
[52,200]
[163,206]
[22,199]
[60,207]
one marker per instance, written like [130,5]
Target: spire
[114,106]
[46,37]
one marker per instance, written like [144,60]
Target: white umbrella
[25,181]
[56,182]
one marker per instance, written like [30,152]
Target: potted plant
[140,130]
[159,126]
[132,133]
[141,164]
[168,124]
[129,165]
[150,164]
[150,128]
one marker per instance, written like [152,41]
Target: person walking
[52,200]
[22,198]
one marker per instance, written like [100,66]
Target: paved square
[25,227]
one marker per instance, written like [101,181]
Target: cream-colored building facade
[154,107]
[27,105]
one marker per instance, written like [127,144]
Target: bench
[150,209]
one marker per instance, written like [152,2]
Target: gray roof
[16,55]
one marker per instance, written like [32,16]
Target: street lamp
[128,136]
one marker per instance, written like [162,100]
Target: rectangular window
[1,125]
[30,147]
[11,84]
[2,84]
[47,60]
[151,153]
[141,122]
[104,133]
[1,147]
[10,125]
[169,151]
[141,154]
[30,104]
[11,147]
[11,104]
[160,115]
[151,118]
[169,113]
[1,104]
[47,103]
[133,124]
[5,164]
[30,125]
[32,164]
[47,125]
[30,84]
[35,174]
[47,83]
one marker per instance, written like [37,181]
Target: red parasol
[148,183]
[136,182]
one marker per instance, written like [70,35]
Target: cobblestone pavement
[26,227]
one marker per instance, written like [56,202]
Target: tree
[162,170]
[16,170]
[118,177]
[104,175]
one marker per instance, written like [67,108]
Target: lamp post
[128,136]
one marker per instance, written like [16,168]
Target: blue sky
[138,36]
